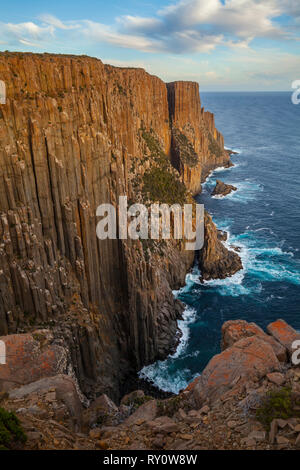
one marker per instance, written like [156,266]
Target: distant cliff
[76,133]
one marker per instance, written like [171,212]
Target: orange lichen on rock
[283,333]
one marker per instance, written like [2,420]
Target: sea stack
[223,189]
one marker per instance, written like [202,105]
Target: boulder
[276,378]
[284,334]
[163,425]
[249,359]
[30,357]
[52,390]
[130,398]
[222,235]
[234,330]
[144,413]
[101,411]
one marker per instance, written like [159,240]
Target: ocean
[262,217]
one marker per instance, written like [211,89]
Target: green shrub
[162,186]
[139,401]
[159,182]
[185,149]
[155,148]
[11,432]
[172,405]
[278,404]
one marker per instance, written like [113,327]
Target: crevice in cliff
[34,170]
[51,185]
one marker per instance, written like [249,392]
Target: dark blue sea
[262,218]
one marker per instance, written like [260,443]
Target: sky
[225,45]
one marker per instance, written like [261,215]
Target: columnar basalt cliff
[197,146]
[75,133]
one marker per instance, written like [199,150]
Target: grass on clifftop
[159,182]
[278,404]
[160,185]
[185,149]
[154,146]
[11,432]
[214,147]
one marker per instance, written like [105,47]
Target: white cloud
[202,25]
[186,26]
[101,33]
[57,23]
[29,33]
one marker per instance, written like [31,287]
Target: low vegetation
[279,404]
[184,149]
[159,182]
[172,405]
[214,147]
[162,186]
[11,432]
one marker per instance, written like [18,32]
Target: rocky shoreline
[247,397]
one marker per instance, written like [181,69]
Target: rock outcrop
[30,357]
[75,133]
[250,358]
[215,260]
[244,399]
[223,189]
[284,334]
[248,354]
[59,388]
[234,330]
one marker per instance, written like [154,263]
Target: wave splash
[165,374]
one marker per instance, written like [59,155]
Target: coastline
[193,275]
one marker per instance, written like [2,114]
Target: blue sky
[222,44]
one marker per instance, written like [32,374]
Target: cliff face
[193,132]
[74,134]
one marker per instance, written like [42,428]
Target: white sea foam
[189,316]
[159,372]
[239,151]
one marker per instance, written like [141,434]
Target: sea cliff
[76,133]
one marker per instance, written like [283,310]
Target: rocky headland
[81,316]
